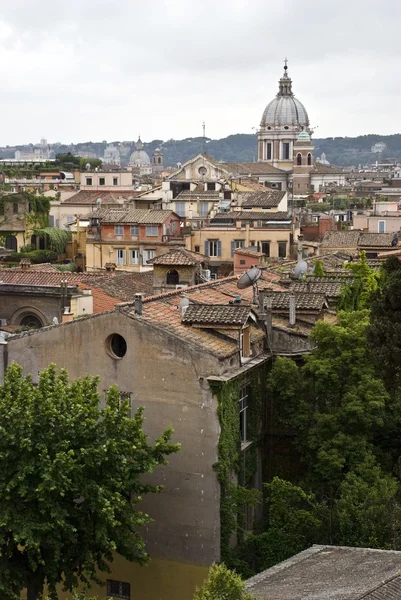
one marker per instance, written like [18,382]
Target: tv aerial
[248,279]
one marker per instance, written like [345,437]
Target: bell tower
[157,161]
[302,165]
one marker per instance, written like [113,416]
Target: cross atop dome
[285,83]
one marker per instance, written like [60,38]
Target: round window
[286,127]
[202,170]
[116,345]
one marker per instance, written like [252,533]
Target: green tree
[222,584]
[94,163]
[318,270]
[384,333]
[358,294]
[70,481]
[367,510]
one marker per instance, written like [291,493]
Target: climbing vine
[236,469]
[57,238]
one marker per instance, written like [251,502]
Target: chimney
[25,263]
[300,238]
[67,315]
[138,304]
[110,267]
[292,312]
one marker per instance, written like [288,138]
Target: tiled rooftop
[162,311]
[326,169]
[119,286]
[341,239]
[266,199]
[221,314]
[107,197]
[357,239]
[331,573]
[132,215]
[249,168]
[303,301]
[376,240]
[330,289]
[179,257]
[243,215]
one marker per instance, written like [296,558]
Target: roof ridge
[181,291]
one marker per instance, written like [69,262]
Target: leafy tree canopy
[222,584]
[70,481]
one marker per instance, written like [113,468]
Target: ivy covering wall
[236,469]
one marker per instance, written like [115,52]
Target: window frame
[134,230]
[131,253]
[146,251]
[115,180]
[180,209]
[152,228]
[215,245]
[123,259]
[279,245]
[102,181]
[384,226]
[118,229]
[89,180]
[243,405]
[110,583]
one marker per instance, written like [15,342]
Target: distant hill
[242,147]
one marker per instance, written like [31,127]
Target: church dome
[139,157]
[285,109]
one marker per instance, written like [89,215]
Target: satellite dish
[55,321]
[301,269]
[249,278]
[183,305]
[99,201]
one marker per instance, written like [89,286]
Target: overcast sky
[92,70]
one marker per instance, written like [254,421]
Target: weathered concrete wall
[166,377]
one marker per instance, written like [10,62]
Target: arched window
[31,321]
[159,160]
[299,159]
[309,159]
[11,243]
[173,277]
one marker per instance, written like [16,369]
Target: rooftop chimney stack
[110,268]
[67,315]
[138,304]
[292,312]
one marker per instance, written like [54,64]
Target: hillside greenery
[240,147]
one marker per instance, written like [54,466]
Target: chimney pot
[138,304]
[292,312]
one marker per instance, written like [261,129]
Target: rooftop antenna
[250,278]
[204,136]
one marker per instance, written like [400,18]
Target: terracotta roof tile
[243,215]
[179,256]
[132,215]
[221,314]
[266,199]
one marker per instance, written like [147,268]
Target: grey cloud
[110,69]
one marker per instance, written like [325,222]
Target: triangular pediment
[200,167]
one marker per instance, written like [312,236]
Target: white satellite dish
[301,269]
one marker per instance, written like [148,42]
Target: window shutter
[232,248]
[218,248]
[116,260]
[206,248]
[124,257]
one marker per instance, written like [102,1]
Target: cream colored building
[109,180]
[272,233]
